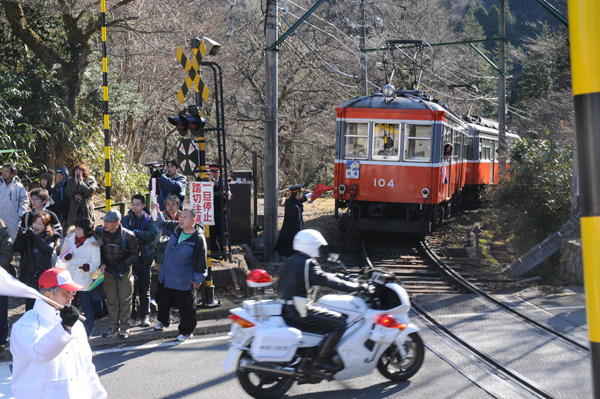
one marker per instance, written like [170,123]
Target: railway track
[405,258]
[461,310]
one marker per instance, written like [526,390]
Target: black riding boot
[327,347]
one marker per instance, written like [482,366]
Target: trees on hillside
[318,70]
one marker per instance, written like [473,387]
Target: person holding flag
[80,255]
[292,220]
[51,354]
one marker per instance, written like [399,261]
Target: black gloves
[156,173]
[69,315]
[363,288]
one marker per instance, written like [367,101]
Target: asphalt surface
[152,364]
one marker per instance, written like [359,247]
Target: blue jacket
[62,202]
[166,186]
[185,262]
[145,231]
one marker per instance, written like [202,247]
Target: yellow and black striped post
[198,51]
[105,103]
[584,31]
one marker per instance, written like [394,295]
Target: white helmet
[308,242]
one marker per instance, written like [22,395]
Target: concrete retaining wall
[571,261]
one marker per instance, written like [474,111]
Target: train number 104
[383,183]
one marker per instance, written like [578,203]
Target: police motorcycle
[273,355]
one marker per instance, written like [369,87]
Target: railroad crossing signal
[187,156]
[192,121]
[206,46]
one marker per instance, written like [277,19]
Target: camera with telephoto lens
[156,166]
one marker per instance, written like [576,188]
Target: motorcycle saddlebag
[275,344]
[262,308]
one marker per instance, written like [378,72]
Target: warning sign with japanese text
[201,200]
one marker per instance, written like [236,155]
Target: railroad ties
[415,275]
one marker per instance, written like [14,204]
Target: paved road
[194,370]
[167,369]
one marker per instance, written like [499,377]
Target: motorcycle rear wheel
[393,367]
[263,386]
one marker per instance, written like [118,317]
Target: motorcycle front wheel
[263,386]
[396,368]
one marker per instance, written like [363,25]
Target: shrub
[534,201]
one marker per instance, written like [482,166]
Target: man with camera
[168,182]
[118,250]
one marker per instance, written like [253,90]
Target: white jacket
[88,253]
[48,361]
[13,204]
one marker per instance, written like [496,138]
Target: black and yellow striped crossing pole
[198,51]
[105,104]
[584,30]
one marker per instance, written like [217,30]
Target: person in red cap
[51,354]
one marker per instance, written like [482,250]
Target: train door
[447,161]
[492,161]
[457,153]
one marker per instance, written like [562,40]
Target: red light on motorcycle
[243,323]
[388,321]
[258,278]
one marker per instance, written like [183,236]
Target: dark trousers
[184,300]
[141,287]
[85,297]
[318,320]
[29,303]
[3,319]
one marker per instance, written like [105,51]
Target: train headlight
[342,189]
[425,192]
[388,91]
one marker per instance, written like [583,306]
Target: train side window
[485,150]
[356,140]
[386,144]
[469,144]
[457,145]
[417,142]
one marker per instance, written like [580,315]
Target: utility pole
[271,158]
[502,155]
[363,55]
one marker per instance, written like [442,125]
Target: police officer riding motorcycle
[299,275]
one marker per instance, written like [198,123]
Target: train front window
[356,140]
[386,144]
[417,142]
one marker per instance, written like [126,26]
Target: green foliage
[17,129]
[546,68]
[127,179]
[534,201]
[124,99]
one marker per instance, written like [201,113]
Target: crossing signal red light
[194,120]
[181,123]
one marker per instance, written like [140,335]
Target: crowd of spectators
[154,254]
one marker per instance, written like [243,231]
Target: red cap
[55,277]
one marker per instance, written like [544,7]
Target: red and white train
[394,168]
